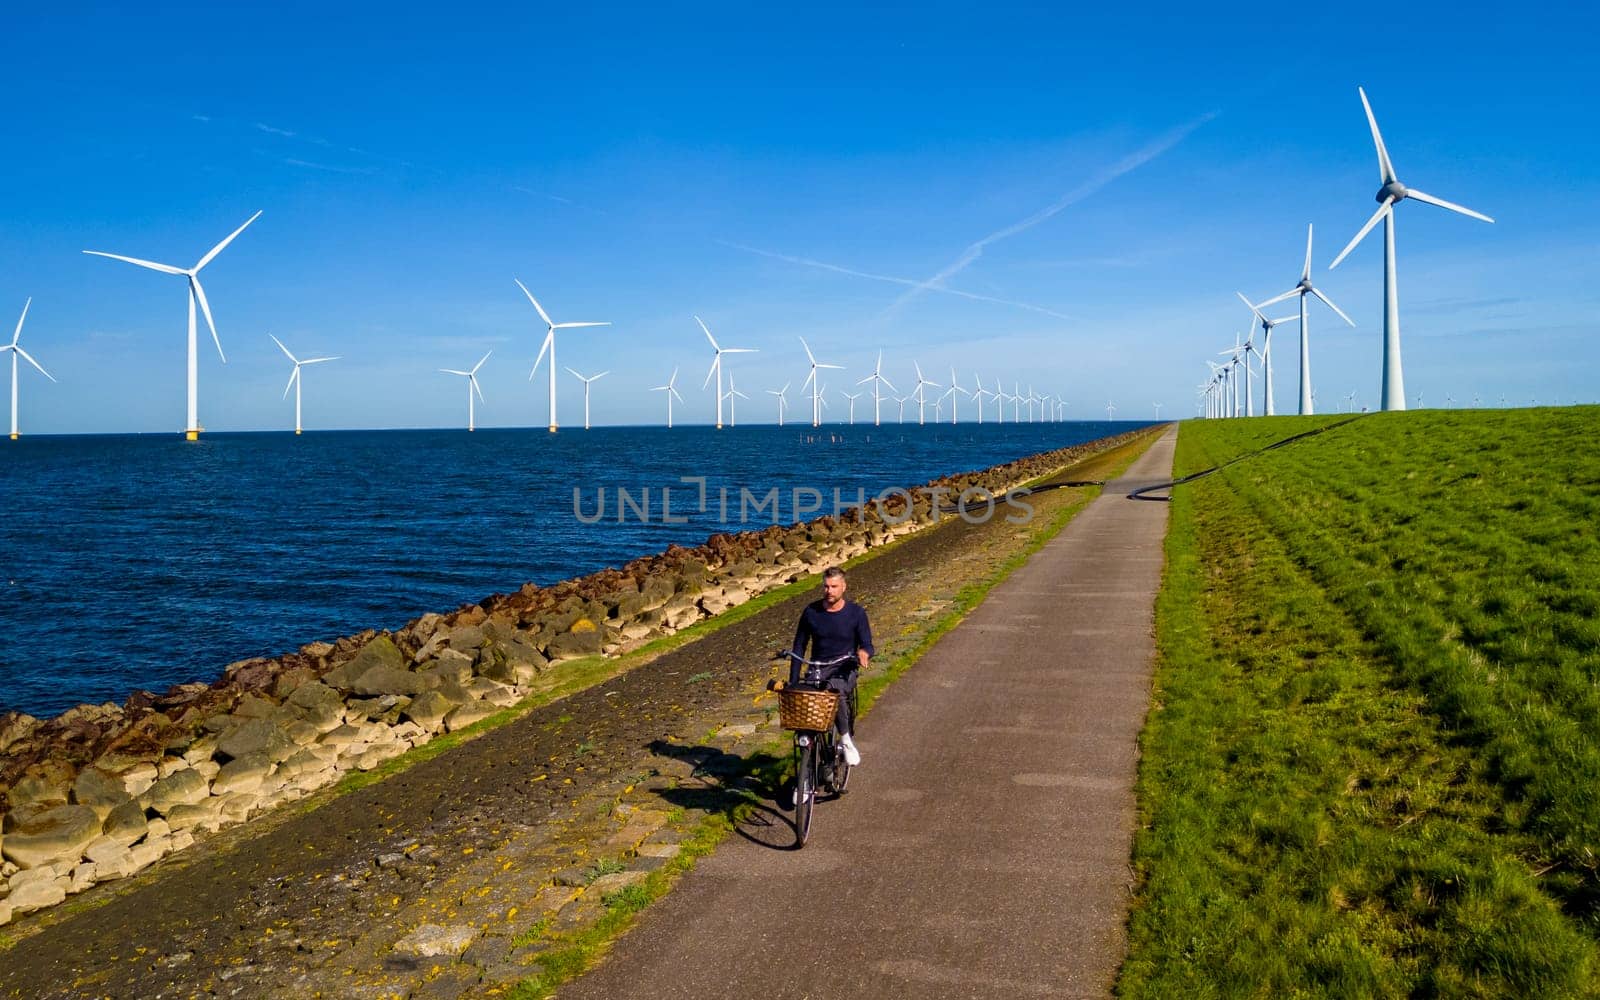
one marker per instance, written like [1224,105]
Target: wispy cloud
[890,279]
[291,161]
[275,131]
[201,118]
[1128,163]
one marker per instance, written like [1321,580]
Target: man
[835,629]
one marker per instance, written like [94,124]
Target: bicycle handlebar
[814,663]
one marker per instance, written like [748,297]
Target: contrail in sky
[1128,163]
[891,279]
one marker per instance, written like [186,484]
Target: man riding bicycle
[835,629]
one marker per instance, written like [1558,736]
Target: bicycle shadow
[749,790]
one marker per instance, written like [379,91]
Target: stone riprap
[102,791]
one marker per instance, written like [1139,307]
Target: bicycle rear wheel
[805,790]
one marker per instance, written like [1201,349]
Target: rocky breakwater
[102,791]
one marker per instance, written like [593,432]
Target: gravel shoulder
[438,880]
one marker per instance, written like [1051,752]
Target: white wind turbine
[1302,289]
[1061,408]
[978,392]
[1158,411]
[877,380]
[1016,402]
[902,401]
[550,345]
[586,383]
[952,393]
[922,394]
[716,365]
[783,400]
[196,293]
[1000,398]
[295,381]
[733,418]
[671,389]
[852,397]
[816,386]
[1266,345]
[1389,195]
[17,351]
[472,386]
[1110,409]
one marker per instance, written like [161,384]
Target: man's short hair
[831,572]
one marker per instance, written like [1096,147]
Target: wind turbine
[852,397]
[1016,402]
[951,392]
[877,379]
[550,345]
[816,386]
[196,293]
[17,351]
[1302,289]
[733,419]
[1158,411]
[1110,409]
[1389,195]
[716,365]
[586,383]
[921,392]
[472,386]
[1061,411]
[1266,346]
[978,392]
[1000,400]
[295,382]
[783,400]
[671,389]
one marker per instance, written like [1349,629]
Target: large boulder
[384,679]
[126,823]
[244,773]
[58,834]
[428,710]
[381,651]
[99,791]
[318,704]
[181,787]
[584,639]
[15,726]
[256,736]
[45,781]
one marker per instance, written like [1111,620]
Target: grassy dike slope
[1373,764]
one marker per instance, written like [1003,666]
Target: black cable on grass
[1139,494]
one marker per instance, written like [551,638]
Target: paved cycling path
[983,848]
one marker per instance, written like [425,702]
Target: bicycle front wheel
[805,791]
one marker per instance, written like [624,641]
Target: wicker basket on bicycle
[807,708]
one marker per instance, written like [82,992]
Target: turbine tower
[978,392]
[922,395]
[1266,346]
[733,417]
[1110,409]
[295,382]
[952,391]
[586,383]
[472,386]
[877,380]
[191,429]
[1389,195]
[783,400]
[1304,288]
[550,345]
[716,365]
[671,389]
[852,397]
[16,352]
[816,386]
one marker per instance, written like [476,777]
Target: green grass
[1371,765]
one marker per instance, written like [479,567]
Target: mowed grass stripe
[1319,816]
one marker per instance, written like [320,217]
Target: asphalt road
[982,850]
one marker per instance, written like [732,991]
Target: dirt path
[983,848]
[479,843]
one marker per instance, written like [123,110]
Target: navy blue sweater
[831,634]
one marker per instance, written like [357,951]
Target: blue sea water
[141,561]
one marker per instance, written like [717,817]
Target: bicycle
[811,711]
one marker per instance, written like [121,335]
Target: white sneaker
[852,756]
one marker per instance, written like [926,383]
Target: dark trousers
[845,715]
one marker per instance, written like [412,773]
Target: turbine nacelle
[1393,190]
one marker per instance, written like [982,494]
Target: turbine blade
[285,350]
[840,367]
[152,265]
[313,361]
[602,374]
[809,356]
[1385,168]
[290,384]
[1329,303]
[1291,293]
[1305,272]
[888,383]
[454,371]
[1251,307]
[542,348]
[476,387]
[715,362]
[569,326]
[218,248]
[675,393]
[709,337]
[1383,210]
[542,314]
[580,377]
[1287,319]
[1452,206]
[869,378]
[205,307]
[809,378]
[32,362]
[20,320]
[480,364]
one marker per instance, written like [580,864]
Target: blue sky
[1090,191]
